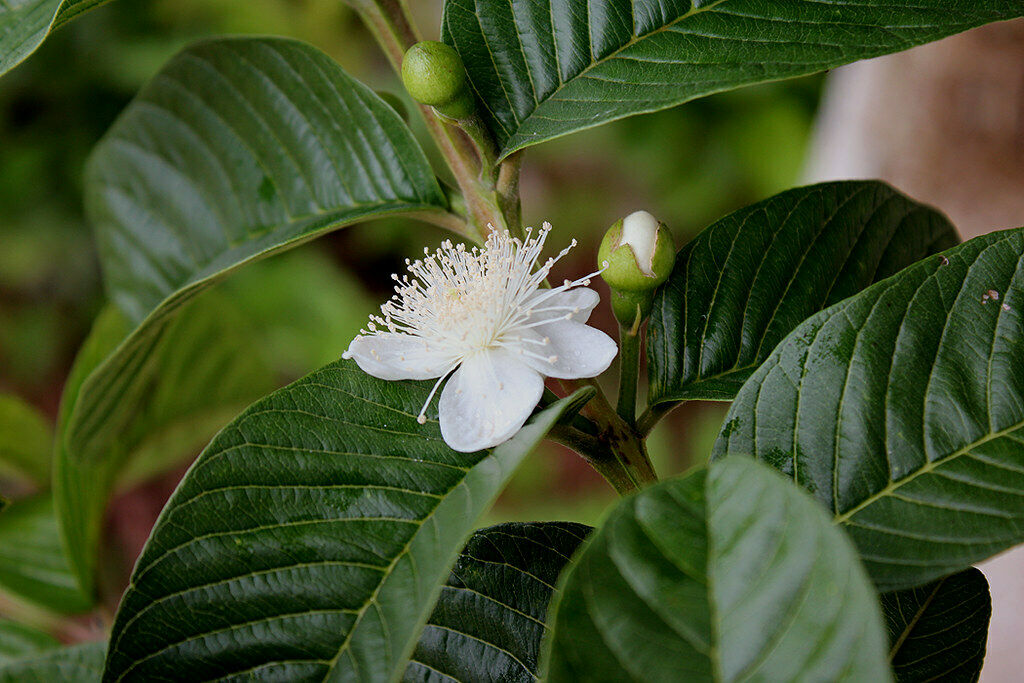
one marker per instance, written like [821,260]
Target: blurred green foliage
[688,166]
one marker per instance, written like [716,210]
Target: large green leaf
[26,441]
[74,664]
[238,148]
[33,565]
[489,619]
[729,573]
[546,68]
[24,24]
[311,539]
[902,410]
[746,281]
[18,640]
[938,632]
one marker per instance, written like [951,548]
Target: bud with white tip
[639,254]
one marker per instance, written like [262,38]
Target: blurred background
[916,119]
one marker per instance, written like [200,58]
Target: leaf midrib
[913,622]
[628,44]
[539,101]
[927,468]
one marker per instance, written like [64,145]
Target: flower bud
[433,74]
[639,254]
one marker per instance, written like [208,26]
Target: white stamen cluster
[461,301]
[484,317]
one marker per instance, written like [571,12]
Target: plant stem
[597,456]
[446,220]
[391,25]
[620,438]
[653,415]
[629,368]
[508,190]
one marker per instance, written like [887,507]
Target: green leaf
[546,68]
[75,664]
[489,619]
[158,406]
[237,149]
[25,25]
[311,538]
[17,641]
[33,565]
[938,632]
[729,573]
[746,281]
[902,410]
[26,441]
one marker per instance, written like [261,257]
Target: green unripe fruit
[639,253]
[433,74]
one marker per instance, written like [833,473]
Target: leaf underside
[25,25]
[729,573]
[939,631]
[488,623]
[546,68]
[33,565]
[746,281]
[326,519]
[902,410]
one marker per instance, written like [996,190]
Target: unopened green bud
[639,254]
[433,74]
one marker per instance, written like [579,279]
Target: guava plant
[873,450]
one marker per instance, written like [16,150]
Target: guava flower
[480,318]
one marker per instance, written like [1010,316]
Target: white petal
[487,400]
[399,356]
[640,233]
[577,302]
[578,350]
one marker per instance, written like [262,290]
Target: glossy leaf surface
[326,519]
[238,148]
[902,410]
[33,565]
[489,619]
[746,281]
[729,573]
[546,68]
[26,441]
[25,24]
[74,664]
[938,632]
